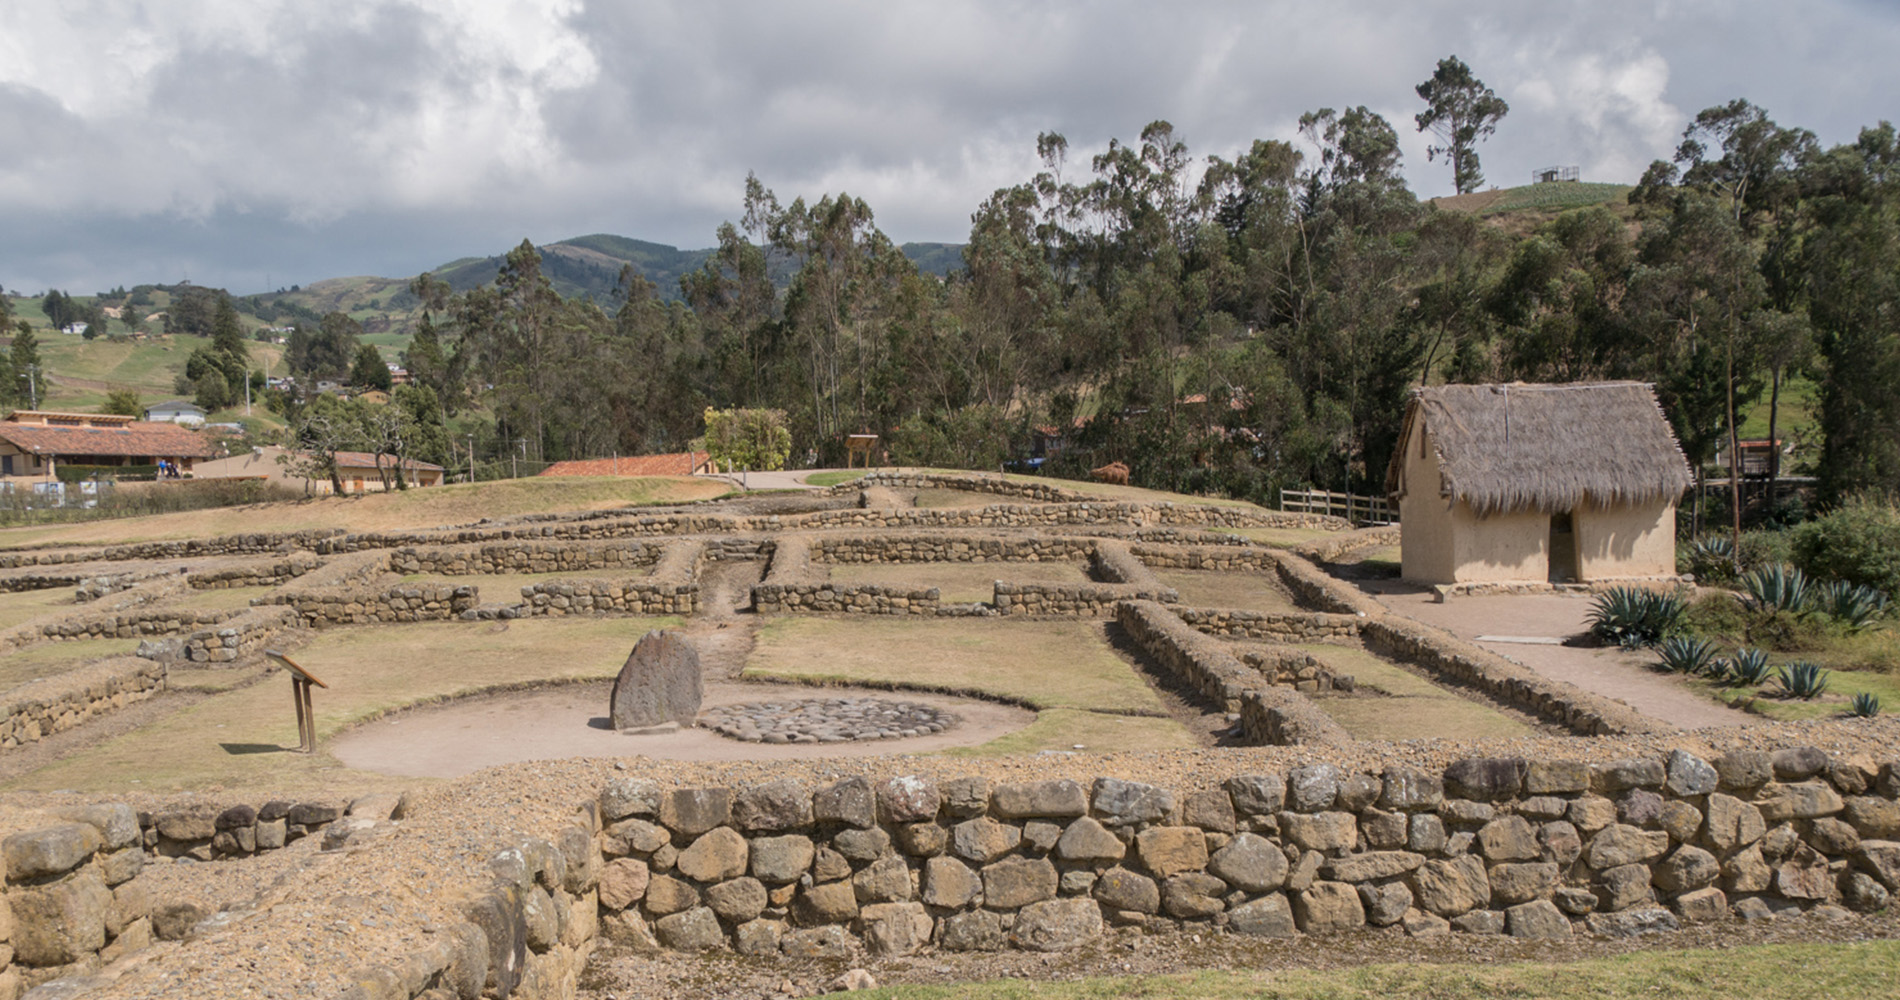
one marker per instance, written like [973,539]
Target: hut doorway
[1563,549]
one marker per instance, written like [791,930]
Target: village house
[357,469]
[1536,483]
[35,443]
[176,411]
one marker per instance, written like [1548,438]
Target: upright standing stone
[659,684]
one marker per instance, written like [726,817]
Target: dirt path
[570,721]
[1497,622]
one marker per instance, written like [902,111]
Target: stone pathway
[826,720]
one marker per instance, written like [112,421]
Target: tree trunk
[1774,446]
[1734,466]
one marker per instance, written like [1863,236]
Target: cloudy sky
[254,144]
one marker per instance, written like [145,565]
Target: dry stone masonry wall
[1533,849]
[38,709]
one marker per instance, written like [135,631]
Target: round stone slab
[826,720]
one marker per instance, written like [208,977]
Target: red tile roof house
[34,443]
[357,470]
[680,463]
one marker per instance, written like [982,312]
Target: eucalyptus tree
[1462,112]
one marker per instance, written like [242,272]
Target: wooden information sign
[300,682]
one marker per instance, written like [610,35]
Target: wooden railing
[1355,507]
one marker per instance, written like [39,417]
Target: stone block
[1881,859]
[1486,779]
[1013,883]
[696,929]
[1702,905]
[1087,841]
[1408,789]
[1268,916]
[1385,904]
[737,901]
[1449,888]
[908,799]
[61,922]
[1509,838]
[115,821]
[1328,908]
[778,860]
[1127,803]
[1312,788]
[829,941]
[1688,775]
[1686,869]
[1370,866]
[773,806]
[717,855]
[623,882]
[759,938]
[1874,818]
[1121,889]
[1167,850]
[1556,777]
[1193,896]
[1057,925]
[660,682]
[1357,792]
[624,797]
[1054,799]
[1522,883]
[829,903]
[1538,920]
[690,812]
[1632,923]
[51,850]
[884,881]
[894,928]
[1743,770]
[1210,811]
[977,930]
[1257,794]
[666,895]
[1326,831]
[1480,922]
[1250,863]
[983,840]
[1623,887]
[1619,845]
[848,802]
[1560,842]
[949,883]
[1799,801]
[1797,763]
[862,845]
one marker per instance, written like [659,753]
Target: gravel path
[1613,673]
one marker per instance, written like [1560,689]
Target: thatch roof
[1517,446]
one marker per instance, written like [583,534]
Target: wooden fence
[1355,507]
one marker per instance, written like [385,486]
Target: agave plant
[1866,705]
[1777,588]
[1683,655]
[1854,605]
[1632,616]
[1712,557]
[1749,668]
[1803,680]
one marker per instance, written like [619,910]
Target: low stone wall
[1269,714]
[1459,662]
[1540,849]
[522,557]
[238,640]
[47,581]
[275,573]
[1225,558]
[368,605]
[1287,667]
[38,709]
[1478,588]
[596,596]
[1079,600]
[1332,549]
[993,485]
[947,548]
[1271,626]
[72,888]
[130,624]
[845,598]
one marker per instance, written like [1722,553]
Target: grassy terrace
[241,738]
[1206,588]
[410,510]
[23,606]
[1392,703]
[1085,693]
[52,658]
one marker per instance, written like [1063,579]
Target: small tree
[369,371]
[124,402]
[1461,111]
[751,439]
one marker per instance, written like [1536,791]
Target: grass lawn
[1206,588]
[934,497]
[961,583]
[408,510]
[1044,664]
[1281,538]
[1073,729]
[1392,703]
[48,659]
[835,476]
[238,739]
[1759,972]
[23,606]
[1842,686]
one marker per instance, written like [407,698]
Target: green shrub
[1803,680]
[1866,705]
[1766,548]
[1852,604]
[1858,542]
[1632,616]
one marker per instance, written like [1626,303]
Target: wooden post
[301,681]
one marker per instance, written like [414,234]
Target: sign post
[300,682]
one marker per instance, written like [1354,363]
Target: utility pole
[471,458]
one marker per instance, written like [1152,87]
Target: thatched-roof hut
[1520,482]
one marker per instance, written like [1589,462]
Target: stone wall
[127,624]
[43,581]
[883,548]
[72,900]
[816,597]
[1271,626]
[1462,663]
[1538,849]
[274,573]
[1085,600]
[967,483]
[598,596]
[1330,549]
[522,557]
[37,709]
[238,640]
[1269,714]
[376,605]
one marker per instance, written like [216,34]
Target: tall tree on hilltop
[1756,169]
[1462,112]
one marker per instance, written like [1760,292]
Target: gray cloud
[242,142]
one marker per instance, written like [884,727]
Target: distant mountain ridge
[589,266]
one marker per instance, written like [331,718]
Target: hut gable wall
[1621,541]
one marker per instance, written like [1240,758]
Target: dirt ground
[451,740]
[1614,673]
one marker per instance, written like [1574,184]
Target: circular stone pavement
[826,720]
